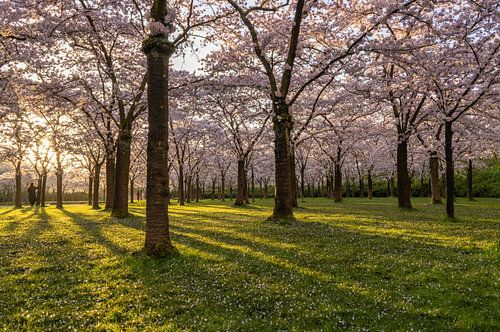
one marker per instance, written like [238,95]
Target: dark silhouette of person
[32,194]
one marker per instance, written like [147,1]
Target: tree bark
[302,182]
[222,187]
[158,51]
[370,185]
[450,172]
[253,186]
[188,189]
[110,179]
[131,190]
[59,187]
[197,188]
[91,184]
[404,185]
[469,181]
[422,184]
[43,191]
[361,187]
[434,174]
[337,192]
[392,186]
[213,189]
[240,194]
[95,196]
[181,184]
[18,198]
[293,180]
[122,167]
[39,191]
[282,125]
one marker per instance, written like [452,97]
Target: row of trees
[298,88]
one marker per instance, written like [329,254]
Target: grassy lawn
[359,265]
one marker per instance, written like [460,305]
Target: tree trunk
[302,182]
[197,188]
[39,191]
[450,172]
[131,190]
[120,195]
[293,179]
[188,189]
[361,187]
[422,184]
[240,194]
[404,185]
[247,187]
[59,187]
[158,50]
[91,187]
[18,199]
[222,188]
[469,181]
[265,190]
[253,186]
[282,123]
[392,186]
[95,196]
[110,179]
[181,184]
[43,192]
[370,185]
[213,189]
[337,192]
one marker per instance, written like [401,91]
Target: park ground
[359,265]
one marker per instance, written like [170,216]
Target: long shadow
[92,229]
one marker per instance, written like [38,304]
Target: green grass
[359,265]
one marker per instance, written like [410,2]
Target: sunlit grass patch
[356,265]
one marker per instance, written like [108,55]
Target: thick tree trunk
[282,123]
[91,187]
[39,191]
[120,195]
[434,175]
[59,187]
[240,194]
[443,184]
[181,184]
[18,198]
[43,191]
[393,192]
[361,187]
[404,185]
[265,190]
[293,180]
[450,172]
[131,190]
[337,192]
[370,185]
[469,181]
[110,179]
[95,196]
[158,50]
